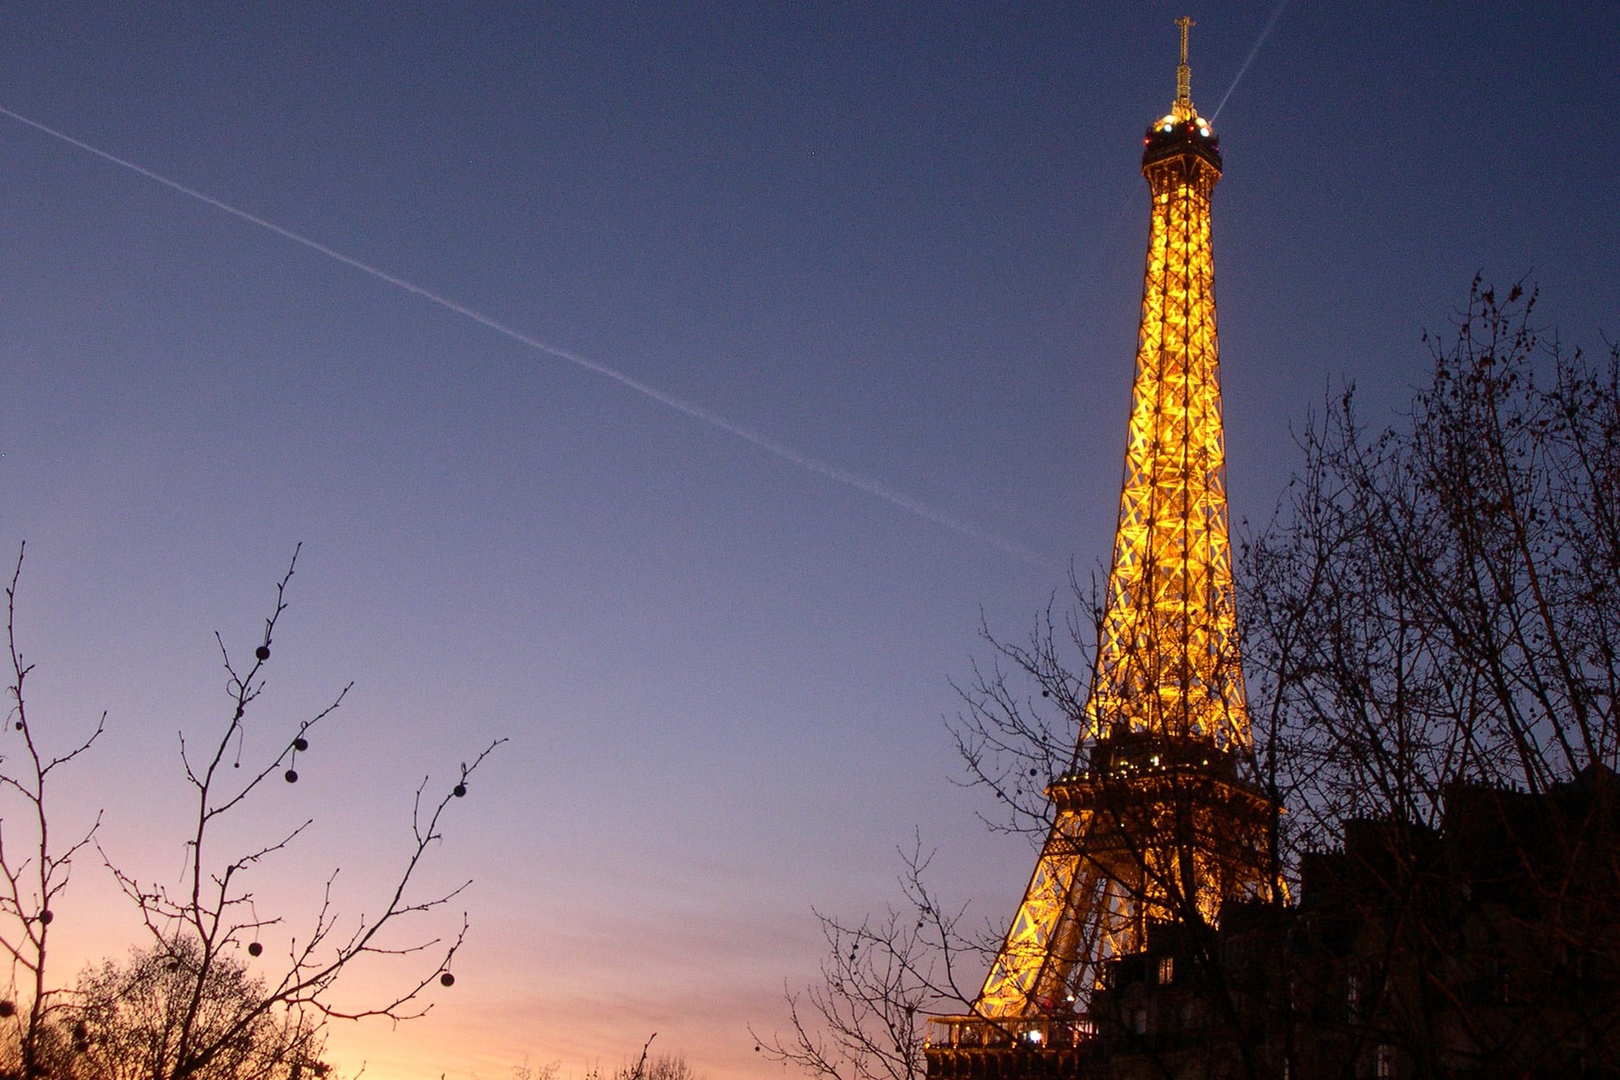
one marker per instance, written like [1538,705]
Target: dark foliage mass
[129,1020]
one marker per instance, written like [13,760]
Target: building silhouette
[1486,947]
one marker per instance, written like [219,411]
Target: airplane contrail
[697,412]
[1261,40]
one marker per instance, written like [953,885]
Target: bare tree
[212,913]
[645,1067]
[1024,711]
[527,1070]
[1441,601]
[209,1017]
[34,867]
[882,978]
[1433,629]
[660,1067]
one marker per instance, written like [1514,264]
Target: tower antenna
[1184,106]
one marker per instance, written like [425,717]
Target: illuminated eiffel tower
[1155,821]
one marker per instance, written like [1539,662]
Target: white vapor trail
[697,412]
[1261,40]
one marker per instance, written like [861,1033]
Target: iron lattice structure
[1154,820]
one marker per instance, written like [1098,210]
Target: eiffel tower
[1156,820]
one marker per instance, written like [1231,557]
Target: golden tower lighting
[1154,822]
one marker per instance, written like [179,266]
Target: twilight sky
[901,241]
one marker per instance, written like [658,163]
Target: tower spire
[1156,819]
[1184,106]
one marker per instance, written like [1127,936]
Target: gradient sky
[903,240]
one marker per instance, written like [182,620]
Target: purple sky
[901,240]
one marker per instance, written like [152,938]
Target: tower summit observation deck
[1156,819]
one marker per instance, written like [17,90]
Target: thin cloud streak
[833,472]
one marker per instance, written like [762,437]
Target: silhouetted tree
[1440,601]
[881,979]
[35,866]
[646,1067]
[1433,625]
[129,1021]
[527,1070]
[188,989]
[661,1067]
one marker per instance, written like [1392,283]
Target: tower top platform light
[1182,130]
